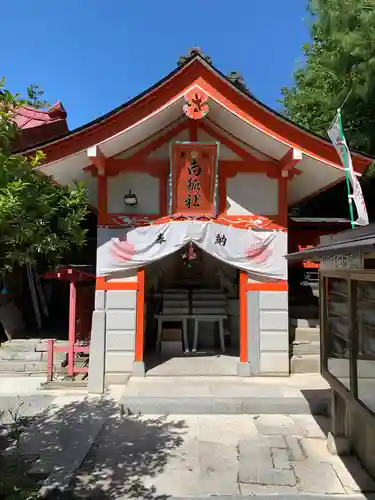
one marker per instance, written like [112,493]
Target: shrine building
[191,182]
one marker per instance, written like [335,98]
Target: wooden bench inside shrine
[196,305]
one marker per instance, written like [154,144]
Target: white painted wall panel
[145,186]
[130,276]
[249,194]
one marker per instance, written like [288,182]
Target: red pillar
[140,311]
[243,316]
[72,327]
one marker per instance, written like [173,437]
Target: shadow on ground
[131,449]
[318,400]
[89,449]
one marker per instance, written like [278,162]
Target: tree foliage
[34,93]
[40,222]
[340,59]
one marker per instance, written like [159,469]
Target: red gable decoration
[194,178]
[196,106]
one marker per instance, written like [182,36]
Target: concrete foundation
[243,369]
[352,432]
[139,369]
[113,339]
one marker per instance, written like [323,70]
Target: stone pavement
[57,428]
[151,457]
[24,394]
[96,447]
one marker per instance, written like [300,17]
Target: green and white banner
[337,137]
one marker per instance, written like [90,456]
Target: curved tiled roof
[39,125]
[189,68]
[28,117]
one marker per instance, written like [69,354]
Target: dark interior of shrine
[190,284]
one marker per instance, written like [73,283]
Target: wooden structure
[79,312]
[261,163]
[347,311]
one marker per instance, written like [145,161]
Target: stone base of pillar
[138,369]
[338,445]
[243,369]
[97,354]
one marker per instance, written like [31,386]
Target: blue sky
[94,55]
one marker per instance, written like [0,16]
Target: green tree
[34,93]
[340,58]
[39,222]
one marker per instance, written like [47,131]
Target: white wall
[122,276]
[249,194]
[145,186]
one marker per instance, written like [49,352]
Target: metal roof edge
[360,242]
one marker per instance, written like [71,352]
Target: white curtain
[259,252]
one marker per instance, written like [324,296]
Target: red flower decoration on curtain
[122,250]
[259,253]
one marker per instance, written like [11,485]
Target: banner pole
[344,155]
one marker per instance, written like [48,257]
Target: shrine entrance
[188,292]
[191,315]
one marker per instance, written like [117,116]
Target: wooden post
[243,316]
[283,201]
[50,353]
[102,199]
[193,131]
[72,327]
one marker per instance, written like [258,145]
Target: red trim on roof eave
[273,125]
[189,74]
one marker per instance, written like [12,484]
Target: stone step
[58,357]
[309,363]
[19,345]
[29,345]
[220,406]
[302,322]
[43,345]
[305,334]
[22,366]
[38,375]
[28,357]
[28,366]
[230,395]
[10,355]
[71,385]
[303,348]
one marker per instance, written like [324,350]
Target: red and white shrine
[191,182]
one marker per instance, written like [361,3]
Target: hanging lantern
[130,199]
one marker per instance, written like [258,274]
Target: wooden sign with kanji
[193,178]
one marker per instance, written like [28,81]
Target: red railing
[71,349]
[74,275]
